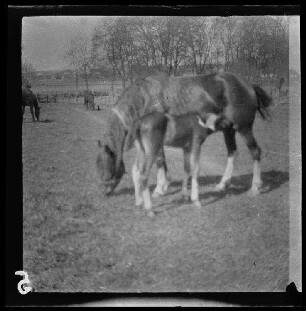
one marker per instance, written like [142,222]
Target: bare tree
[200,38]
[79,57]
[113,42]
[264,46]
[227,30]
[28,73]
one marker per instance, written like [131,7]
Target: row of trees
[131,47]
[251,46]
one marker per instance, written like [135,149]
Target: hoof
[184,194]
[197,204]
[186,197]
[221,186]
[167,185]
[138,203]
[253,192]
[151,214]
[156,194]
[255,189]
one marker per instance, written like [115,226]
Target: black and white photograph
[160,154]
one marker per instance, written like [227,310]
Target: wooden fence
[53,97]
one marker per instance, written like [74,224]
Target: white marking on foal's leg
[161,184]
[136,180]
[194,182]
[227,173]
[195,192]
[168,182]
[256,182]
[147,202]
[185,186]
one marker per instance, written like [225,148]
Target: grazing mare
[157,129]
[217,93]
[30,99]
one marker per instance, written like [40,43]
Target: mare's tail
[263,102]
[133,134]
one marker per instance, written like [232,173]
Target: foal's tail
[133,134]
[263,102]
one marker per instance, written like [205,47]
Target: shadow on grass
[46,121]
[40,121]
[239,184]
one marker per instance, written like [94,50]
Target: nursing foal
[156,129]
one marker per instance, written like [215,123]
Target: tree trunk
[123,82]
[86,81]
[113,80]
[86,78]
[76,87]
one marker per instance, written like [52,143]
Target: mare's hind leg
[195,168]
[255,151]
[163,180]
[186,174]
[32,112]
[230,141]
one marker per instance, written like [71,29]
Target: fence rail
[53,97]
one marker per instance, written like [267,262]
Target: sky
[45,38]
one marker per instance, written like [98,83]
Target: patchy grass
[77,240]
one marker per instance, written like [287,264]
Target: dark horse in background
[30,99]
[216,93]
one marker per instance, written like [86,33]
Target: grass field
[77,240]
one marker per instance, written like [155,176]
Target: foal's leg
[255,151]
[146,163]
[186,173]
[136,176]
[163,180]
[230,141]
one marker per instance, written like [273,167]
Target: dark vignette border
[13,205]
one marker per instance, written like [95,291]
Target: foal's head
[109,168]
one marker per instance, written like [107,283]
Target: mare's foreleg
[230,141]
[255,151]
[163,179]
